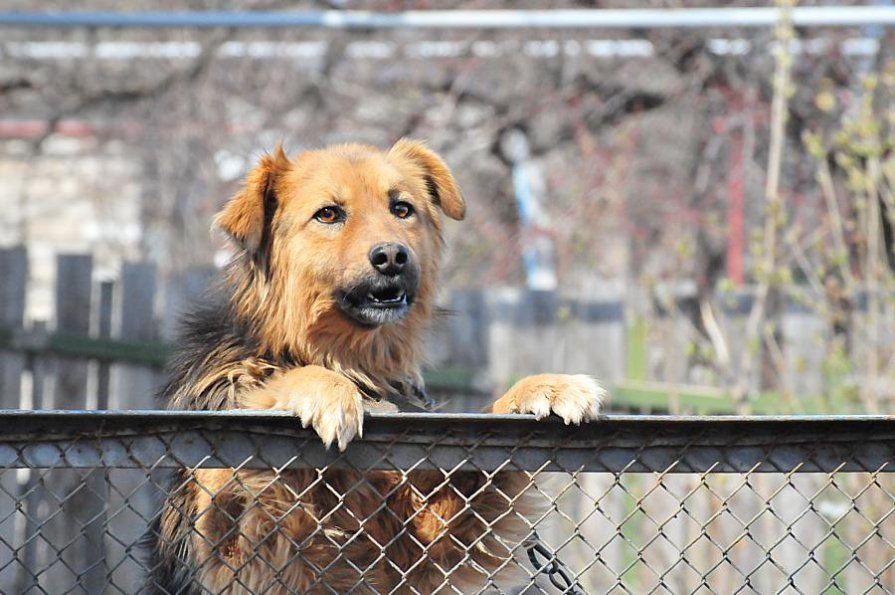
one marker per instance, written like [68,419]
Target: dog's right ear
[247,216]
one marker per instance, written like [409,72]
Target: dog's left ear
[440,183]
[247,216]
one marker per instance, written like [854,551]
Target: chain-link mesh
[104,503]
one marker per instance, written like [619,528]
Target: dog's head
[348,233]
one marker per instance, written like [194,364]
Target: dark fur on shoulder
[213,334]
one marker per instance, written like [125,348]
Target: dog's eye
[330,215]
[402,210]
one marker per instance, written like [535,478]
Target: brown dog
[324,311]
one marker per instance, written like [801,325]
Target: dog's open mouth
[389,297]
[373,304]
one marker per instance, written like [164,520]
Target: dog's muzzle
[378,300]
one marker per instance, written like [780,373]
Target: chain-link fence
[627,504]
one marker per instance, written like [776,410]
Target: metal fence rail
[637,504]
[738,17]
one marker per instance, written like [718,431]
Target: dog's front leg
[575,398]
[321,398]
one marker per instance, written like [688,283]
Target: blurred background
[695,207]
[699,216]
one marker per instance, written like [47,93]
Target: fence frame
[619,449]
[614,444]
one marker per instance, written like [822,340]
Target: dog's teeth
[386,298]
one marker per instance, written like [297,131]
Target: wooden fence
[74,363]
[126,327]
[486,339]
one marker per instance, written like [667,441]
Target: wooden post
[73,559]
[537,331]
[182,290]
[460,342]
[804,350]
[593,336]
[106,293]
[34,493]
[134,499]
[97,481]
[13,277]
[138,382]
[800,531]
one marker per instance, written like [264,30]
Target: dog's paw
[321,398]
[575,398]
[338,417]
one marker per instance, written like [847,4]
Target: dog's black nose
[389,258]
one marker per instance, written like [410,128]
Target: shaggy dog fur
[324,310]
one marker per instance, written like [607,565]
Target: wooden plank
[807,530]
[512,337]
[468,329]
[72,558]
[133,500]
[593,530]
[805,349]
[14,273]
[103,372]
[97,482]
[592,338]
[34,493]
[535,331]
[73,295]
[14,276]
[138,323]
[458,351]
[181,292]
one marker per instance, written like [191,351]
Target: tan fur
[293,305]
[250,531]
[575,398]
[244,216]
[338,418]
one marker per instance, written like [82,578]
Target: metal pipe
[616,444]
[808,16]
